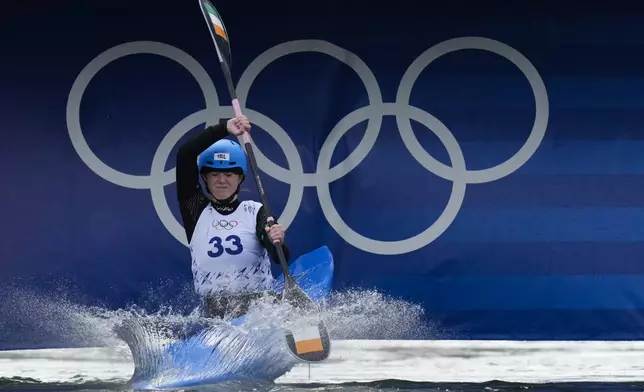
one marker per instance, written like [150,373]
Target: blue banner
[485,165]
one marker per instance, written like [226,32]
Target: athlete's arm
[191,199]
[262,235]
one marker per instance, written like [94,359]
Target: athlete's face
[222,185]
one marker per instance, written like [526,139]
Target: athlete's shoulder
[250,206]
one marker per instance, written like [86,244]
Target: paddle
[309,341]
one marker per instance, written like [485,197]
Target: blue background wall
[546,246]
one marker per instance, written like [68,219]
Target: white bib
[227,257]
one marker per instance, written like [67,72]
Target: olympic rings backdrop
[487,166]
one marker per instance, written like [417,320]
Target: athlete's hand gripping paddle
[309,341]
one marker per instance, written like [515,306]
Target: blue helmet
[223,155]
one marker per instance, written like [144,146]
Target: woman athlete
[230,241]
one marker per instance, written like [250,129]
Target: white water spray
[255,349]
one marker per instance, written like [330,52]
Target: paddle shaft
[288,279]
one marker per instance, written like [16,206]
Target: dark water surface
[29,385]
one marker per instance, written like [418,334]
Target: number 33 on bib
[235,247]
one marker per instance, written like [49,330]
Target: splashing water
[360,314]
[197,351]
[168,346]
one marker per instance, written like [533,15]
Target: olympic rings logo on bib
[224,224]
[324,175]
